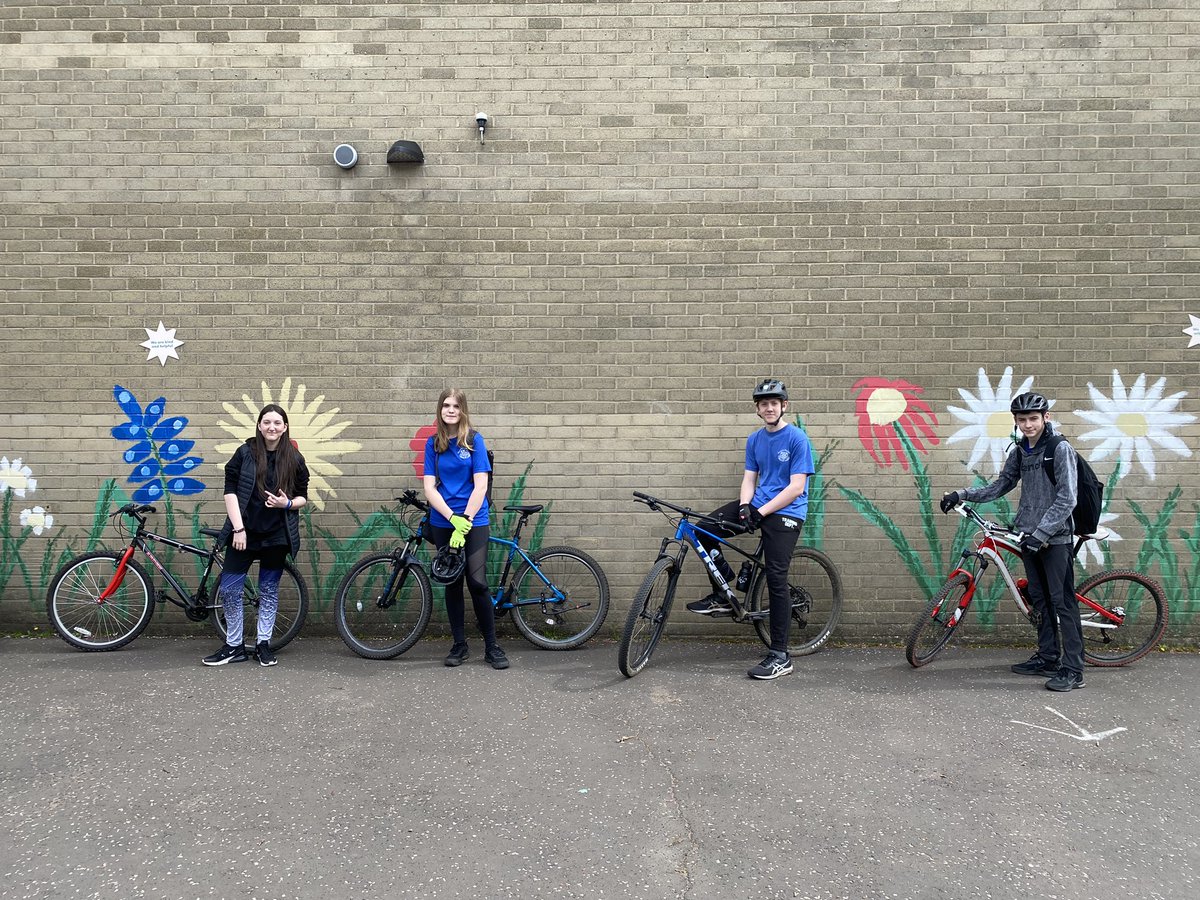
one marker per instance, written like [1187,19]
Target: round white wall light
[345,156]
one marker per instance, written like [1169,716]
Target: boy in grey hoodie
[1044,516]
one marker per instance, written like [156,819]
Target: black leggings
[779,535]
[476,578]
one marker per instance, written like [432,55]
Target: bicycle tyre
[382,632]
[72,602]
[816,588]
[566,624]
[1142,626]
[647,617]
[937,623]
[289,619]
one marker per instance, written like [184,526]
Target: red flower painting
[882,408]
[418,444]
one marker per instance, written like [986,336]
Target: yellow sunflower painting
[313,432]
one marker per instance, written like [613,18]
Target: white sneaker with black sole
[773,666]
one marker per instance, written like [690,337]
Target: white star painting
[161,343]
[1194,331]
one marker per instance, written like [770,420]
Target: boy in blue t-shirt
[773,497]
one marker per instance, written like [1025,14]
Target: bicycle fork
[972,583]
[118,577]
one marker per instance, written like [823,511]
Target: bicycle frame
[988,547]
[501,601]
[140,542]
[687,534]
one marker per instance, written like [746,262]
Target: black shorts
[237,562]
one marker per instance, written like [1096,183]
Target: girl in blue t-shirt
[456,481]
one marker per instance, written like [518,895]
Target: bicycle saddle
[527,510]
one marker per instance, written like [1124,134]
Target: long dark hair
[287,457]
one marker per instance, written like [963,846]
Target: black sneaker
[266,656]
[773,666]
[1035,665]
[1065,680]
[458,654]
[495,658]
[227,654]
[712,605]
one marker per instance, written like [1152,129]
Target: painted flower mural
[989,421]
[1131,421]
[1093,549]
[36,519]
[312,431]
[417,445]
[16,477]
[883,407]
[159,455]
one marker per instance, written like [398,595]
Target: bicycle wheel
[1139,603]
[935,626]
[559,624]
[815,586]
[382,606]
[77,613]
[647,617]
[293,607]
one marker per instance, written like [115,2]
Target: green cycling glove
[461,525]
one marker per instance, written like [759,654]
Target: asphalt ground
[140,773]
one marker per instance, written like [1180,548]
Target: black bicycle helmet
[448,566]
[769,388]
[1029,403]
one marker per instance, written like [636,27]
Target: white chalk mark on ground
[1083,735]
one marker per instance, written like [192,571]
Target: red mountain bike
[1124,613]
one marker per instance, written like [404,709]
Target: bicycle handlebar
[968,512]
[410,498]
[133,509]
[657,505]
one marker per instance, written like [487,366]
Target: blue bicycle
[813,580]
[558,596]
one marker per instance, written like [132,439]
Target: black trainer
[458,654]
[227,654]
[712,605]
[495,658]
[1065,680]
[773,666]
[1035,665]
[266,656]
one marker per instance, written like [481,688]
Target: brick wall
[673,200]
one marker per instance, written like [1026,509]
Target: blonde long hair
[442,441]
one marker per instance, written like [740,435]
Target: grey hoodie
[1045,508]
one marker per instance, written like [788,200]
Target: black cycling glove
[951,500]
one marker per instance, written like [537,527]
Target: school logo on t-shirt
[783,455]
[464,453]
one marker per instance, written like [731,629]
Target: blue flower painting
[159,455]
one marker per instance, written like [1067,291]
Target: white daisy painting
[36,519]
[989,420]
[1092,548]
[16,477]
[1132,421]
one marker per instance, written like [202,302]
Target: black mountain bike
[103,600]
[813,580]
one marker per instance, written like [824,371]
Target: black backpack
[1089,493]
[491,468]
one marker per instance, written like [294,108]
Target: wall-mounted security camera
[481,120]
[345,156]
